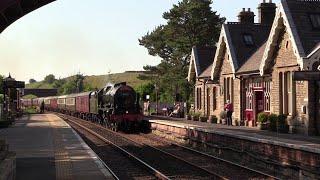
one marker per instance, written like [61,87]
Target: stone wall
[7,162]
[285,60]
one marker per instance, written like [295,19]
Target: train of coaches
[115,106]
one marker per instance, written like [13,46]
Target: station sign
[306,75]
[14,84]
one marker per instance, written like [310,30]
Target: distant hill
[99,81]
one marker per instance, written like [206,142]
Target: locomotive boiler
[118,107]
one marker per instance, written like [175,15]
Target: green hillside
[99,81]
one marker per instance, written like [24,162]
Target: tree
[74,84]
[32,81]
[145,89]
[49,79]
[1,84]
[190,23]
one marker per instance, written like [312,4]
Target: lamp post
[156,88]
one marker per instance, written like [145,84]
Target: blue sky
[92,37]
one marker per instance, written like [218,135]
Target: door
[258,104]
[208,102]
[317,107]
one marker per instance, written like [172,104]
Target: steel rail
[157,173]
[223,160]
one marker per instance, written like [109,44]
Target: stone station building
[272,66]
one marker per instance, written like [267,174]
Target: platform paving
[295,141]
[48,148]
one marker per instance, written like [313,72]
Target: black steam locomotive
[118,106]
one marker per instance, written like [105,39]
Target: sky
[92,37]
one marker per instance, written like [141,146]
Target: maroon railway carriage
[61,103]
[35,102]
[53,103]
[71,104]
[83,105]
[27,102]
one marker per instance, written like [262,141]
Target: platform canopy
[12,10]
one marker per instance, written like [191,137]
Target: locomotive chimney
[246,17]
[266,12]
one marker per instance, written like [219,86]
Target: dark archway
[12,10]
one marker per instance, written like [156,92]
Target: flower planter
[203,119]
[188,117]
[262,126]
[224,121]
[283,128]
[212,119]
[195,118]
[272,127]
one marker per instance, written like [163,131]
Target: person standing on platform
[42,107]
[228,108]
[148,107]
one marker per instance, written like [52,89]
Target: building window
[315,20]
[198,103]
[267,85]
[248,39]
[214,99]
[249,95]
[288,93]
[198,98]
[257,82]
[228,89]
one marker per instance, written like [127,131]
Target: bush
[282,119]
[273,118]
[213,116]
[262,117]
[223,115]
[197,114]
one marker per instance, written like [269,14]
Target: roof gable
[294,16]
[201,59]
[232,38]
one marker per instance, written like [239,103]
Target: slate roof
[204,58]
[300,11]
[206,73]
[259,34]
[253,63]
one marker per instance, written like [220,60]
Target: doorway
[208,102]
[258,104]
[317,107]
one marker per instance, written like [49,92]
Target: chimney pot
[243,9]
[266,12]
[248,9]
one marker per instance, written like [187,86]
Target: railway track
[121,163]
[180,162]
[163,165]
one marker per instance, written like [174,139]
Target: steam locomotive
[115,106]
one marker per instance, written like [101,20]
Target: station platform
[284,149]
[48,148]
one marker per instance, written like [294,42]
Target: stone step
[8,166]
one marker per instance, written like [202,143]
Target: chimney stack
[266,12]
[246,17]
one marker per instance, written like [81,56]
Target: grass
[99,81]
[30,110]
[102,80]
